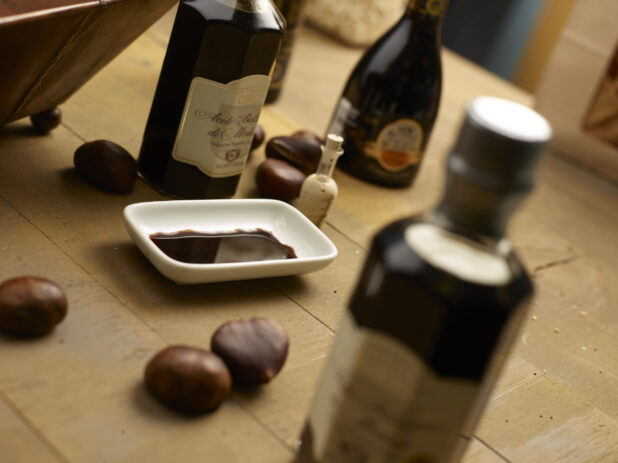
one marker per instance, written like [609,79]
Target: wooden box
[50,48]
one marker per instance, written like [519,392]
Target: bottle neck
[491,166]
[331,151]
[325,168]
[477,208]
[327,164]
[429,9]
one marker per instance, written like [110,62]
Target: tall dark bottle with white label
[435,310]
[390,102]
[212,87]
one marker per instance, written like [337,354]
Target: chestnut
[301,152]
[254,350]
[106,165]
[258,137]
[189,379]
[46,121]
[31,306]
[277,179]
[308,135]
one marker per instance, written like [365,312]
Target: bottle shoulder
[452,321]
[250,15]
[401,66]
[404,40]
[418,246]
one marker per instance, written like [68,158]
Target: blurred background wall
[512,38]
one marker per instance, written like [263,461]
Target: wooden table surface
[77,395]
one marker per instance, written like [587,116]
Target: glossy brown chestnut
[31,306]
[308,135]
[106,165]
[46,121]
[302,153]
[277,179]
[254,350]
[258,137]
[189,379]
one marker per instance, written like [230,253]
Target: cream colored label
[398,145]
[457,255]
[379,403]
[218,122]
[248,6]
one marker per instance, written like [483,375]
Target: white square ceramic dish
[313,248]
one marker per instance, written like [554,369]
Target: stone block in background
[355,22]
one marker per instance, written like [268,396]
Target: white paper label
[455,254]
[217,126]
[378,402]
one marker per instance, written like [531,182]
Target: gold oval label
[399,145]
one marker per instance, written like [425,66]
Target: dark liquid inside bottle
[454,326]
[390,103]
[218,40]
[195,247]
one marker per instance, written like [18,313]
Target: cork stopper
[330,153]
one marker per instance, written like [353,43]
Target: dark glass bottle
[212,87]
[292,11]
[390,102]
[435,310]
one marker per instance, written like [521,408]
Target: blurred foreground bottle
[436,309]
[390,102]
[211,90]
[292,11]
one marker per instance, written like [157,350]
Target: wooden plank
[87,225]
[178,314]
[547,254]
[84,393]
[477,452]
[573,336]
[19,443]
[544,232]
[524,426]
[580,207]
[116,102]
[160,31]
[81,386]
[359,208]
